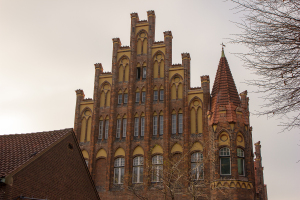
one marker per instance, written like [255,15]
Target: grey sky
[48,48]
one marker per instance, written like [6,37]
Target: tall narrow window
[142,126]
[197,166]
[161,95]
[136,126]
[241,161]
[106,129]
[173,123]
[143,97]
[144,72]
[180,123]
[155,95]
[124,127]
[100,130]
[138,73]
[137,172]
[154,125]
[161,124]
[157,168]
[118,133]
[119,171]
[225,168]
[119,99]
[137,97]
[125,98]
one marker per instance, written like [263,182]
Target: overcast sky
[48,50]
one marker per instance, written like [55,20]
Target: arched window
[197,166]
[241,161]
[137,176]
[225,168]
[157,168]
[119,171]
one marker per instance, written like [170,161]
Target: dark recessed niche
[70,146]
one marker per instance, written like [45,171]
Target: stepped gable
[224,92]
[18,149]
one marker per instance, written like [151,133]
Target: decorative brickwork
[151,110]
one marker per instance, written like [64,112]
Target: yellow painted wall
[121,74]
[197,147]
[108,98]
[224,139]
[106,78]
[85,154]
[101,153]
[89,128]
[120,152]
[126,52]
[157,149]
[192,95]
[162,69]
[145,43]
[102,99]
[127,73]
[83,128]
[176,148]
[142,27]
[199,116]
[139,46]
[155,70]
[180,91]
[193,121]
[84,105]
[240,140]
[138,150]
[178,70]
[155,49]
[173,92]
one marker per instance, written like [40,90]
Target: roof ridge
[2,135]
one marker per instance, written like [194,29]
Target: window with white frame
[144,72]
[161,124]
[106,129]
[180,123]
[161,95]
[174,123]
[154,125]
[118,133]
[119,171]
[142,126]
[136,126]
[119,99]
[241,161]
[143,97]
[137,173]
[100,130]
[157,168]
[124,127]
[125,98]
[137,97]
[225,168]
[155,95]
[197,166]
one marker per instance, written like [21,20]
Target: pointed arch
[119,152]
[177,148]
[158,52]
[101,153]
[138,151]
[157,149]
[197,146]
[85,154]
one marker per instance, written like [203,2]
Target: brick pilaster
[77,121]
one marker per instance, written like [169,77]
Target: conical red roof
[224,90]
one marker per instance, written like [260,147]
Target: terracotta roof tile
[16,150]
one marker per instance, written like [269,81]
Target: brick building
[45,165]
[145,121]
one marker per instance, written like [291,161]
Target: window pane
[180,123]
[122,175]
[155,95]
[137,97]
[136,126]
[142,126]
[225,166]
[225,151]
[173,124]
[143,96]
[124,127]
[161,95]
[161,125]
[116,176]
[144,72]
[118,128]
[241,166]
[154,125]
[135,175]
[125,98]
[240,152]
[106,129]
[119,98]
[100,130]
[141,174]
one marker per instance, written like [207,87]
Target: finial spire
[223,54]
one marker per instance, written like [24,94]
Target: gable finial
[223,54]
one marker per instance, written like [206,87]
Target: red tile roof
[18,149]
